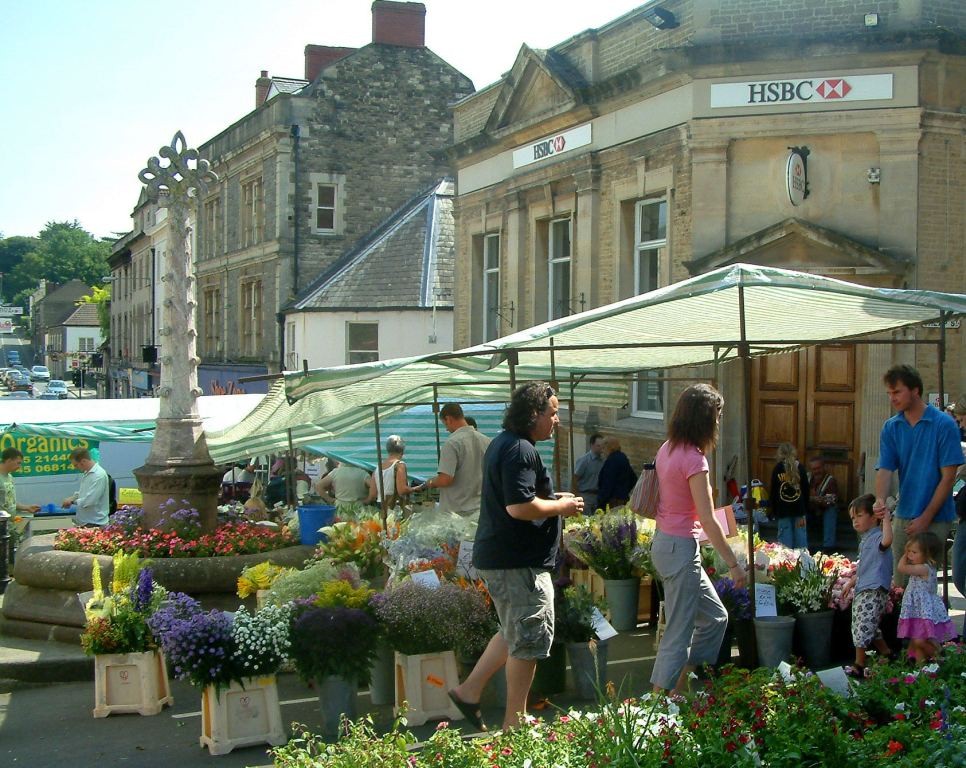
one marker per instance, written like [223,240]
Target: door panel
[807,398]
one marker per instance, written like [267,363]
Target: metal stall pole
[439,443]
[290,496]
[381,485]
[556,437]
[570,429]
[745,355]
[941,354]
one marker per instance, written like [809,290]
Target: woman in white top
[394,476]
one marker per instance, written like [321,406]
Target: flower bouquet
[607,542]
[574,614]
[259,577]
[217,648]
[417,619]
[117,621]
[808,585]
[419,544]
[295,584]
[357,541]
[335,641]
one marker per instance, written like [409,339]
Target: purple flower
[141,591]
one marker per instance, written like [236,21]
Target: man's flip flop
[470,711]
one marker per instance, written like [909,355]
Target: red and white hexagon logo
[833,89]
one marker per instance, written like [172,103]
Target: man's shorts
[523,598]
[867,609]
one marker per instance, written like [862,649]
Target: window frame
[251,316]
[252,210]
[491,305]
[211,312]
[555,262]
[337,182]
[658,247]
[354,356]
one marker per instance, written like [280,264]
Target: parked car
[22,396]
[20,383]
[58,388]
[45,395]
[40,373]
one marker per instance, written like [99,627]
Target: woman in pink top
[696,619]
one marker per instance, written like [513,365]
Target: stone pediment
[806,247]
[540,84]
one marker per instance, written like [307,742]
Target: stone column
[586,265]
[178,466]
[709,196]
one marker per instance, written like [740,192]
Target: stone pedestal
[194,483]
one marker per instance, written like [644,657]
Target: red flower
[894,746]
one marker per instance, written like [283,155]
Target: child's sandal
[856,671]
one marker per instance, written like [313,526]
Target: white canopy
[696,321]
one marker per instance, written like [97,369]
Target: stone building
[819,135]
[308,175]
[137,263]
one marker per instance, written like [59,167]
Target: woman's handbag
[646,493]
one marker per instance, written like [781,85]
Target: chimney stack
[318,57]
[262,85]
[395,23]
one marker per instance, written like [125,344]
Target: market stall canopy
[692,322]
[417,426]
[117,420]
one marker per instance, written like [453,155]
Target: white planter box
[423,682]
[241,715]
[130,682]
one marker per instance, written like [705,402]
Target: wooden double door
[808,398]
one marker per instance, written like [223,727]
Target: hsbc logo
[550,147]
[797,90]
[802,91]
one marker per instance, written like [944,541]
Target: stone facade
[633,143]
[307,175]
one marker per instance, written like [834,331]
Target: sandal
[856,671]
[469,710]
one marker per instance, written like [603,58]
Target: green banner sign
[46,455]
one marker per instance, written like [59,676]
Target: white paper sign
[602,627]
[785,670]
[428,579]
[766,603]
[836,680]
[464,560]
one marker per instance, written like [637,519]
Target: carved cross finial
[179,179]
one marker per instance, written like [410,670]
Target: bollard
[6,551]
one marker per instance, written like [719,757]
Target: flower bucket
[589,673]
[337,697]
[241,715]
[622,596]
[551,674]
[813,638]
[311,518]
[381,688]
[744,635]
[773,636]
[724,653]
[130,682]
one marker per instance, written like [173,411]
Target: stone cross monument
[178,466]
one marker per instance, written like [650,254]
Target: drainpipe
[296,134]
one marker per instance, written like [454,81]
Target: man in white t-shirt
[460,474]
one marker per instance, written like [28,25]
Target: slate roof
[83,315]
[405,263]
[285,85]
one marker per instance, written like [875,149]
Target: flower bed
[899,718]
[229,539]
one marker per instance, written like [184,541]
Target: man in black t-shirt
[515,550]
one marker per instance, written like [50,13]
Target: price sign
[428,579]
[464,561]
[766,603]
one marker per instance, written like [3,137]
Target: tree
[64,251]
[12,251]
[102,298]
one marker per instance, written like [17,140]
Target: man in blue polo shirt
[922,444]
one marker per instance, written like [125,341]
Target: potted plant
[233,658]
[425,626]
[609,543]
[334,647]
[737,601]
[811,598]
[129,673]
[574,626]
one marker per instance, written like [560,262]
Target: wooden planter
[423,681]
[241,715]
[130,682]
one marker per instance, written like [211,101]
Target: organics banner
[46,455]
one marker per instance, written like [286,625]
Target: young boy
[871,582]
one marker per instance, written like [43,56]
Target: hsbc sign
[813,90]
[551,146]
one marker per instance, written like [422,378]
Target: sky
[96,87]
